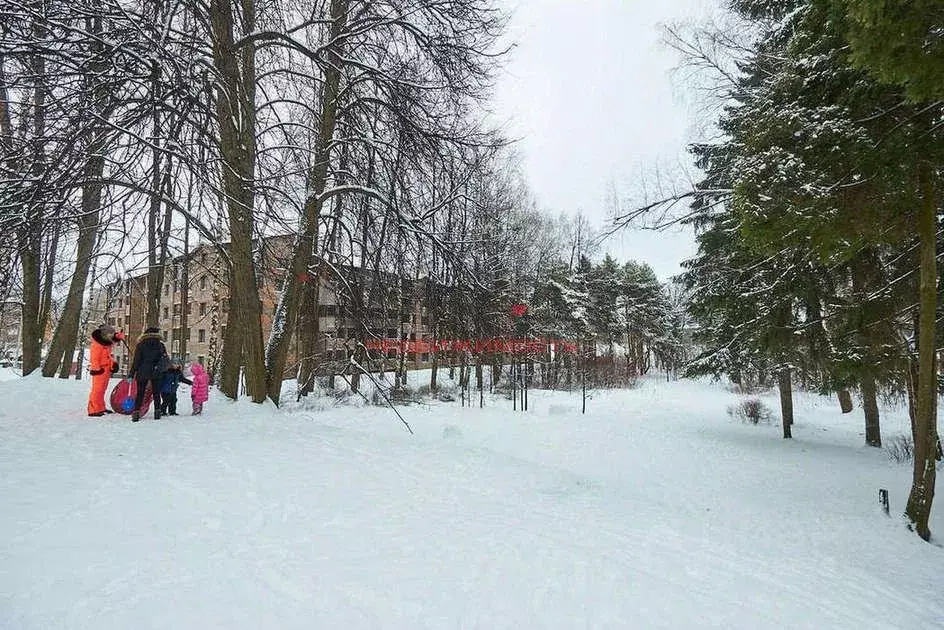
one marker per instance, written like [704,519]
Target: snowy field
[655,510]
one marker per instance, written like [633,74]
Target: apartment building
[195,307]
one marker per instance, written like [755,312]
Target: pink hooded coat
[200,390]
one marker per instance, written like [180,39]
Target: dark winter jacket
[147,355]
[172,380]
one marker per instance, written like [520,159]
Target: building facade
[195,305]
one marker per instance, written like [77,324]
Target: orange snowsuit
[100,364]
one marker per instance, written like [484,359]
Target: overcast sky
[589,92]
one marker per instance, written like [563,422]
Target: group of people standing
[151,368]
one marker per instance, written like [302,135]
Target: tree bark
[157,237]
[918,509]
[49,272]
[65,338]
[30,333]
[31,236]
[873,431]
[845,400]
[185,292]
[785,386]
[84,326]
[236,118]
[863,281]
[66,333]
[287,313]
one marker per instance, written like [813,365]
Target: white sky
[589,92]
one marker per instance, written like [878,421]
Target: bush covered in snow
[445,392]
[900,449]
[750,410]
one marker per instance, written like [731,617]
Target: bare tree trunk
[155,235]
[873,431]
[309,334]
[863,281]
[434,369]
[236,117]
[185,290]
[287,312]
[31,236]
[845,400]
[921,496]
[213,351]
[45,304]
[231,355]
[30,331]
[65,336]
[83,329]
[785,385]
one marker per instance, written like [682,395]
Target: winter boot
[135,416]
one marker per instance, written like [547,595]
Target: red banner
[499,346]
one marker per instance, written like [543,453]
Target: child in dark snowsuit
[169,384]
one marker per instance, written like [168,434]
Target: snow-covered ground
[654,510]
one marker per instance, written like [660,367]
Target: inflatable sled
[122,397]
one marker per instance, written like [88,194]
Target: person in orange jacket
[101,367]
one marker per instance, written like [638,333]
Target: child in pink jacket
[200,390]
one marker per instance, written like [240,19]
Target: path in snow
[655,510]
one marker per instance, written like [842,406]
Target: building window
[201,360]
[111,321]
[424,358]
[327,310]
[203,282]
[223,332]
[121,301]
[176,309]
[165,335]
[203,308]
[166,313]
[166,289]
[203,258]
[224,304]
[189,308]
[201,335]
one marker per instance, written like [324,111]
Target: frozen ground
[655,510]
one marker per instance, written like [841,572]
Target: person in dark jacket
[149,355]
[169,384]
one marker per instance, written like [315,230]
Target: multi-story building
[195,305]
